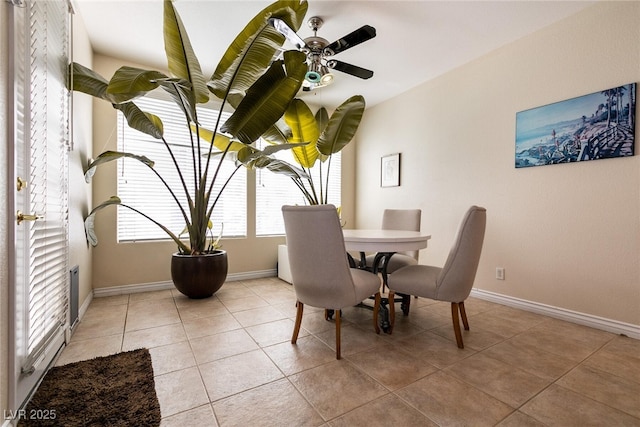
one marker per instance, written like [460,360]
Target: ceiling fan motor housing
[314,48]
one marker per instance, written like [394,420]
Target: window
[141,189]
[275,190]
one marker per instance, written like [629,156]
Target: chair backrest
[402,219]
[317,256]
[456,278]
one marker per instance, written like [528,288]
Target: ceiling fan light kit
[318,74]
[319,52]
[327,76]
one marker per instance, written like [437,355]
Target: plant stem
[175,238]
[221,190]
[184,214]
[326,195]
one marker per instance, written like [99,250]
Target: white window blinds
[141,189]
[41,139]
[47,129]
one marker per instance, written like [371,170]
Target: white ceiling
[416,40]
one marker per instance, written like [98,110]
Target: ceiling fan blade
[362,34]
[354,70]
[286,31]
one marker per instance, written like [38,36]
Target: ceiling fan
[320,52]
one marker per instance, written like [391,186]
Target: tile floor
[227,361]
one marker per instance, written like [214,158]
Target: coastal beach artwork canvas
[600,125]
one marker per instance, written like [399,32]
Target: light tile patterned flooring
[228,361]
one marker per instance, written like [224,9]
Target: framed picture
[600,125]
[390,170]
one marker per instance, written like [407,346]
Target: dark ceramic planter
[199,276]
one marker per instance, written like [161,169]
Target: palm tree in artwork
[610,94]
[597,113]
[619,103]
[632,105]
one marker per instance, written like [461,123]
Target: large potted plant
[247,79]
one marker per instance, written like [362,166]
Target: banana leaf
[322,118]
[278,133]
[128,83]
[254,48]
[180,91]
[268,98]
[89,222]
[304,128]
[139,120]
[248,154]
[109,156]
[88,81]
[181,58]
[342,126]
[278,166]
[221,141]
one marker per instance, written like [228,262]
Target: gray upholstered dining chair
[399,219]
[453,281]
[319,267]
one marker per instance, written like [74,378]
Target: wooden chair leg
[463,313]
[456,324]
[296,328]
[338,334]
[392,311]
[376,311]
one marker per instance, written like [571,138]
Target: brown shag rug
[116,390]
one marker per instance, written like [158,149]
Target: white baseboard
[85,305]
[252,275]
[159,286]
[81,312]
[627,329]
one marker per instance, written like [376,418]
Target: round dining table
[384,243]
[378,240]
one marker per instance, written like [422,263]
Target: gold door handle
[22,217]
[21,183]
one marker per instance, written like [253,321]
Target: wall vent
[74,295]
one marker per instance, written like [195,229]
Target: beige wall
[79,191]
[567,235]
[117,264]
[4,186]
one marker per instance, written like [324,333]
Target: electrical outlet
[500,273]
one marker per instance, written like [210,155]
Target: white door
[39,37]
